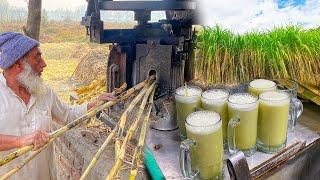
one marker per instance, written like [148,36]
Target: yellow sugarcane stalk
[123,119]
[25,161]
[98,154]
[73,124]
[138,150]
[117,147]
[125,114]
[120,159]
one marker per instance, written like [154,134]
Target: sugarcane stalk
[117,147]
[133,128]
[124,117]
[73,124]
[98,154]
[24,162]
[139,149]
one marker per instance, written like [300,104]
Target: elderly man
[27,106]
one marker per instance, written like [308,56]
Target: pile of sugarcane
[91,91]
[147,94]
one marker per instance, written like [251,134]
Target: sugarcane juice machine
[160,48]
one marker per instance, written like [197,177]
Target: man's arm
[38,139]
[9,142]
[102,97]
[67,113]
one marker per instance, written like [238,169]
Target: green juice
[245,107]
[187,100]
[207,153]
[183,109]
[259,86]
[216,100]
[273,120]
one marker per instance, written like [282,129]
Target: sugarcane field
[159,89]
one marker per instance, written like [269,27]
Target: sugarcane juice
[273,118]
[216,100]
[259,86]
[187,100]
[245,107]
[204,127]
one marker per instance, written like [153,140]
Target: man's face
[30,75]
[35,60]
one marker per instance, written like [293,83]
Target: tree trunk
[34,19]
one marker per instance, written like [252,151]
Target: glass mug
[242,126]
[258,86]
[201,155]
[187,100]
[273,121]
[216,100]
[296,106]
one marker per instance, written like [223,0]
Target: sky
[258,15]
[237,15]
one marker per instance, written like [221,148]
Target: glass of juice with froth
[296,107]
[273,121]
[201,155]
[243,120]
[216,100]
[187,100]
[259,86]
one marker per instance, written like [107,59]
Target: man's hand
[107,97]
[38,139]
[101,97]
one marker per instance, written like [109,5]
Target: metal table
[165,146]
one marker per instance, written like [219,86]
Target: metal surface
[116,68]
[147,5]
[168,154]
[172,39]
[165,119]
[238,167]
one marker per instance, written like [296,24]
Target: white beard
[31,81]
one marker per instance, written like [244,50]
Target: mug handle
[233,123]
[298,107]
[184,159]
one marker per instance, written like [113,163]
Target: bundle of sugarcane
[64,129]
[136,160]
[309,92]
[111,135]
[304,90]
[133,128]
[123,120]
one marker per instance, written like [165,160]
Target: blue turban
[14,46]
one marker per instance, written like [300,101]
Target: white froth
[275,98]
[203,122]
[215,96]
[262,84]
[242,101]
[188,95]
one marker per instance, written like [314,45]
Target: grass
[289,52]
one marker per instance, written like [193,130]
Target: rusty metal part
[238,167]
[116,69]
